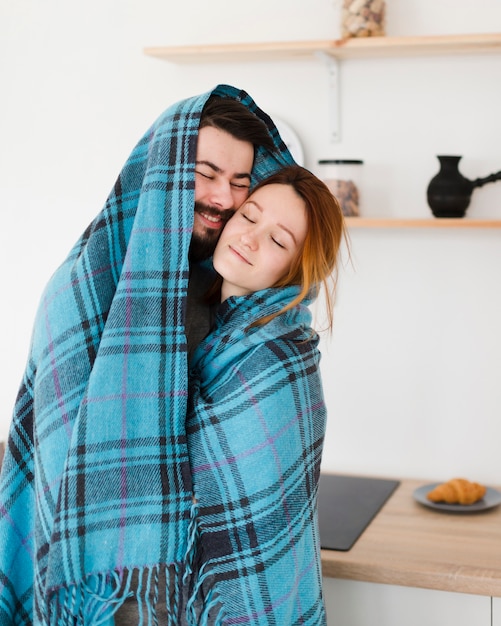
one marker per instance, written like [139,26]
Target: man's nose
[221,196]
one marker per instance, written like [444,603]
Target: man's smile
[212,221]
[211,217]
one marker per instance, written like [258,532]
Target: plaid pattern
[96,477]
[255,431]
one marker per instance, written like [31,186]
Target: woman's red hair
[317,261]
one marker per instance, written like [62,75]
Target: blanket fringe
[94,601]
[204,598]
[191,547]
[189,587]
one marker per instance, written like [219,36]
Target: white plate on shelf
[290,139]
[491,499]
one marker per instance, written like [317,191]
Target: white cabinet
[355,603]
[496,611]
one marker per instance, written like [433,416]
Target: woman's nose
[249,239]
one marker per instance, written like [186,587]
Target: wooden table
[408,544]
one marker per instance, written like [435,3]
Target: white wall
[412,369]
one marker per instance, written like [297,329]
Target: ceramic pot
[449,192]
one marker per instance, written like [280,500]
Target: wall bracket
[333,67]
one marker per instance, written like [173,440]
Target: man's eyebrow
[215,168]
[280,225]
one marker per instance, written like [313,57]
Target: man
[227,137]
[228,134]
[95,490]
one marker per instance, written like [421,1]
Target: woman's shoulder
[291,351]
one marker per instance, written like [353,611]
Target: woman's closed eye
[281,245]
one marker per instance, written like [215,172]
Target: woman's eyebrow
[215,168]
[287,230]
[250,201]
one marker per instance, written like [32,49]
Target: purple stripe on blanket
[55,376]
[267,442]
[256,615]
[125,368]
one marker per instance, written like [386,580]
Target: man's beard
[202,245]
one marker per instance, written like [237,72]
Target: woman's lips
[239,255]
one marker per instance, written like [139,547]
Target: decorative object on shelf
[290,139]
[363,18]
[341,177]
[449,192]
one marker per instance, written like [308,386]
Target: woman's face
[261,241]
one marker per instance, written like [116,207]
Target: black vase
[449,192]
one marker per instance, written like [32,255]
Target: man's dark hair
[235,118]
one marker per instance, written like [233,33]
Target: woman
[256,411]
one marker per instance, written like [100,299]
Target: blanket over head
[96,480]
[255,433]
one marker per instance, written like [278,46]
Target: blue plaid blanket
[255,434]
[96,482]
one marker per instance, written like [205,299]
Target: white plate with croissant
[458,495]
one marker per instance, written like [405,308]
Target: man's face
[222,180]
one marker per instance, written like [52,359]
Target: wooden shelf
[363,47]
[334,51]
[370,222]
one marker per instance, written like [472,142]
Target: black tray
[347,505]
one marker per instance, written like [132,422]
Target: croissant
[457,491]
